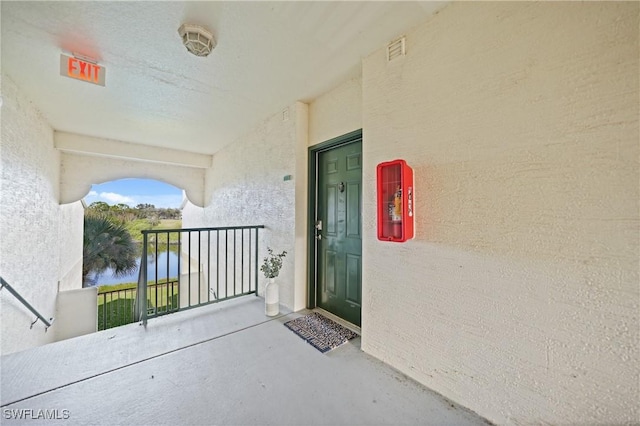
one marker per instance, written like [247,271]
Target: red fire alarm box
[395,201]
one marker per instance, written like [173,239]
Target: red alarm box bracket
[395,201]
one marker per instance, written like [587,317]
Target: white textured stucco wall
[518,297]
[246,186]
[30,217]
[76,313]
[336,112]
[70,233]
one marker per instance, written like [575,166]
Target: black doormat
[321,332]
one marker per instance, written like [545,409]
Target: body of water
[171,258]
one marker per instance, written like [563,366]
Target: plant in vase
[271,269]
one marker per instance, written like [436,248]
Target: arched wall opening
[78,172]
[122,208]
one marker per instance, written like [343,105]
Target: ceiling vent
[196,39]
[396,49]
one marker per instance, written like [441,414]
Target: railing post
[137,307]
[256,272]
[141,292]
[143,265]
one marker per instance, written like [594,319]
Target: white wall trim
[100,147]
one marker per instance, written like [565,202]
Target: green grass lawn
[135,228]
[116,302]
[115,313]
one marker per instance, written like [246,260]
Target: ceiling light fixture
[196,39]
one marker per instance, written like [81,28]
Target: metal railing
[116,307]
[209,264]
[47,323]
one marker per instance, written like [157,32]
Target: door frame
[314,151]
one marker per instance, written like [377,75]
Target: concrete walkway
[225,364]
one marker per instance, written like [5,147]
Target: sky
[136,191]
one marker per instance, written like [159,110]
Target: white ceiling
[269,54]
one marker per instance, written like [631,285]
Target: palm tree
[107,245]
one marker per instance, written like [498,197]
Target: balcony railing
[194,267]
[116,307]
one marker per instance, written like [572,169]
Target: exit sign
[82,70]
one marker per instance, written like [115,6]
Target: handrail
[218,228]
[48,324]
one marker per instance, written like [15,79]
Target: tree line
[123,213]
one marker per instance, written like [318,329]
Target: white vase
[271,298]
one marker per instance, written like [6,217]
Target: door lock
[318,229]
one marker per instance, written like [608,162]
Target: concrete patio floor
[225,364]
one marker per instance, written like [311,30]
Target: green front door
[339,231]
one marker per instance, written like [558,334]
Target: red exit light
[79,69]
